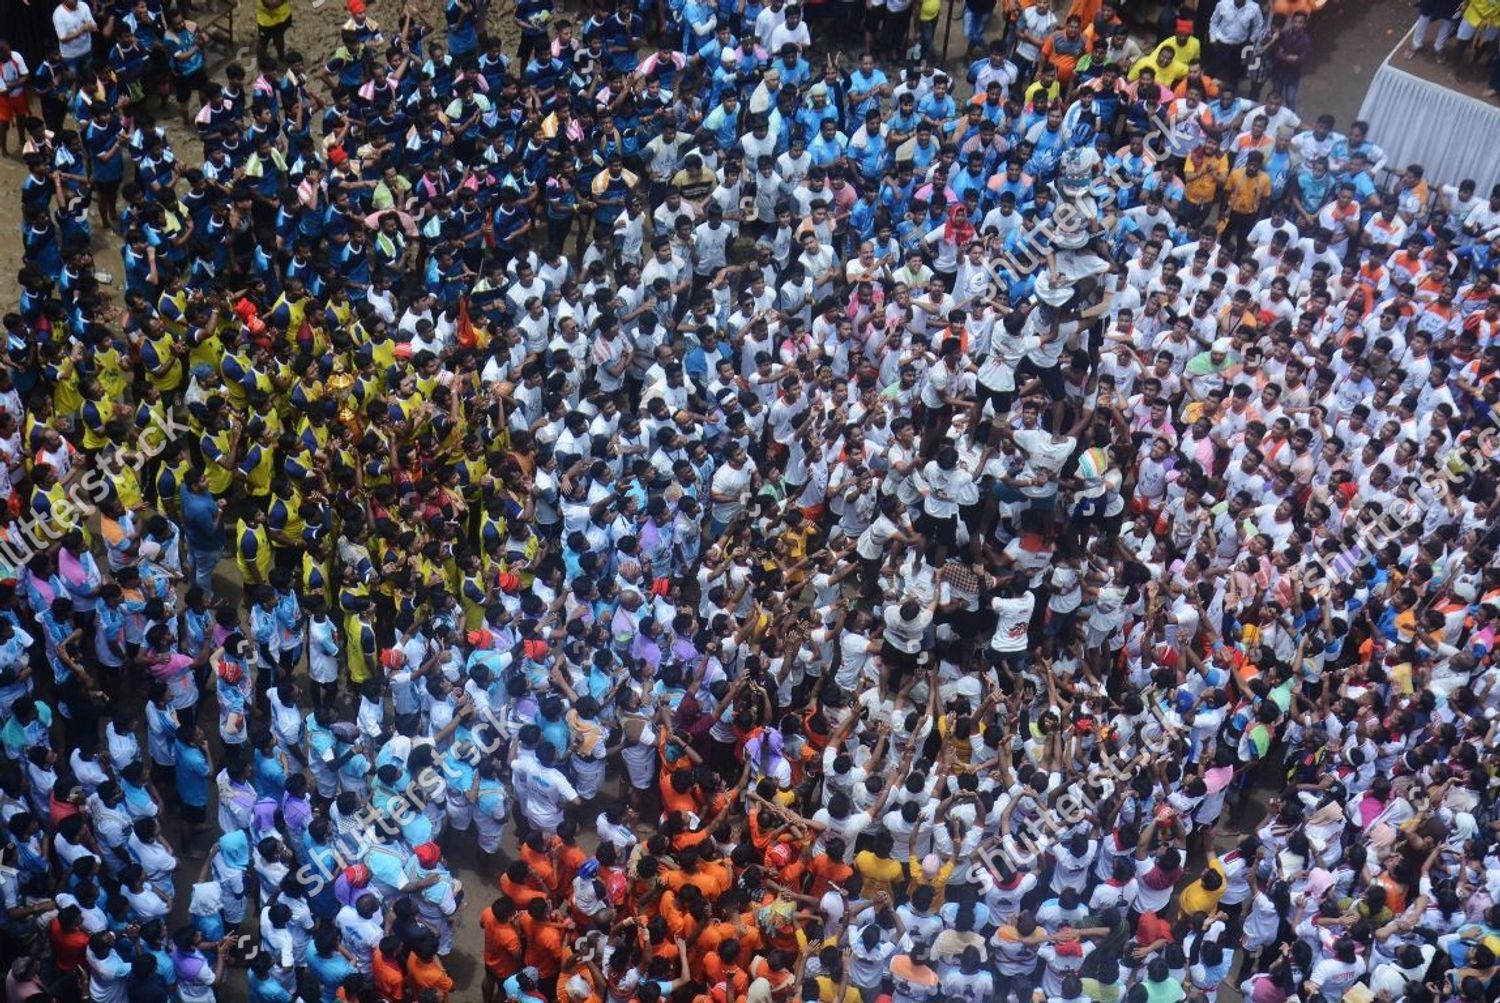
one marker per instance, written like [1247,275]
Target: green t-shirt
[1164,992]
[1100,993]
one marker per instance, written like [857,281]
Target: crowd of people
[785,526]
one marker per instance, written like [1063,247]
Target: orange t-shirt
[544,947]
[736,979]
[679,921]
[563,996]
[428,975]
[1065,62]
[541,867]
[672,801]
[751,941]
[760,834]
[706,947]
[502,946]
[714,878]
[708,880]
[689,837]
[522,895]
[569,860]
[1151,927]
[826,871]
[1395,893]
[780,980]
[390,980]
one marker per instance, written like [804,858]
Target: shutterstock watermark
[1374,531]
[1073,218]
[394,813]
[34,533]
[1031,835]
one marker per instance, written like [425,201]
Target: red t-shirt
[1151,928]
[68,948]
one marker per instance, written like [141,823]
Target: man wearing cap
[439,899]
[1183,42]
[1212,369]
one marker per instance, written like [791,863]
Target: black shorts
[195,814]
[1000,400]
[896,660]
[1051,377]
[1089,511]
[939,530]
[969,625]
[937,417]
[189,84]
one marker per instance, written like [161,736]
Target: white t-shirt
[547,791]
[1038,24]
[12,71]
[1013,620]
[1043,454]
[872,542]
[729,481]
[106,974]
[1067,592]
[67,22]
[783,33]
[969,988]
[1333,977]
[846,828]
[360,935]
[855,651]
[867,966]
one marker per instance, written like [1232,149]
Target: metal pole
[948,30]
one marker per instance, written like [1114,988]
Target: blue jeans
[1289,90]
[975,25]
[926,31]
[204,562]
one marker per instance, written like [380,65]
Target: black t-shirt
[152,989]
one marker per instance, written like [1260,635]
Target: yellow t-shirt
[1166,76]
[938,883]
[1400,676]
[1246,193]
[1197,899]
[1202,184]
[879,874]
[270,13]
[828,987]
[1183,53]
[1039,95]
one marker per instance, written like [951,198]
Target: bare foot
[1412,53]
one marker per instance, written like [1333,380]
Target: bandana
[958,230]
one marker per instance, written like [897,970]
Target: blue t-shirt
[192,775]
[330,973]
[200,520]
